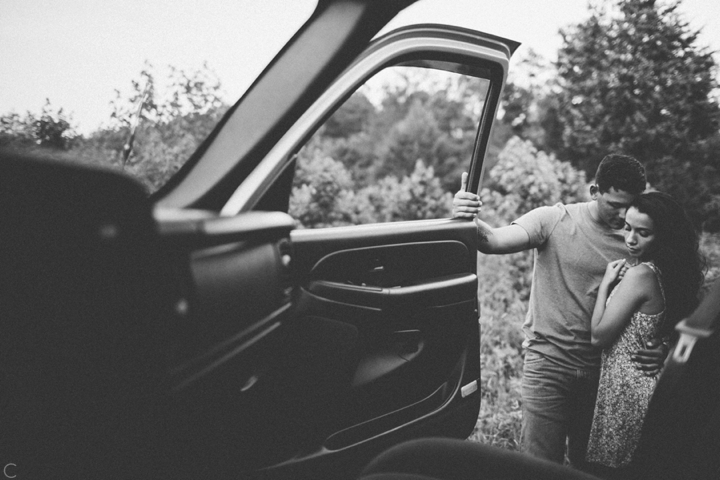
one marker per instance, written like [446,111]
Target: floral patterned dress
[623,392]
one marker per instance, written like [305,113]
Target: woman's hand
[623,270]
[613,272]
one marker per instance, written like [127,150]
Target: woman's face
[639,234]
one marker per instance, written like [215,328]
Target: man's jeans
[558,406]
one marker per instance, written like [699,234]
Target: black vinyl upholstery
[82,306]
[681,433]
[449,459]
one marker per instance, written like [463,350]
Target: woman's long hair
[675,253]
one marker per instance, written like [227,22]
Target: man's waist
[572,355]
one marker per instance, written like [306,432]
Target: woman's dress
[623,392]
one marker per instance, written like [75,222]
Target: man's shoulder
[560,210]
[540,223]
[576,207]
[573,212]
[552,210]
[564,218]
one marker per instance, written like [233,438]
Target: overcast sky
[76,52]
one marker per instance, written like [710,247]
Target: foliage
[320,186]
[414,197]
[528,104]
[184,93]
[410,139]
[151,132]
[501,362]
[353,118]
[324,194]
[155,128]
[710,249]
[634,80]
[414,116]
[525,178]
[51,130]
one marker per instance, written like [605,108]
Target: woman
[653,291]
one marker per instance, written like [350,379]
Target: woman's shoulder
[640,275]
[643,278]
[642,270]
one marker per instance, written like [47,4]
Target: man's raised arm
[509,239]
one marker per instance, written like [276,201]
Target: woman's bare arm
[608,321]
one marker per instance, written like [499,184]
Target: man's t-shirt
[572,253]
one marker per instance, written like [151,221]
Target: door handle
[429,293]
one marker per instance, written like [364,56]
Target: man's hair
[622,172]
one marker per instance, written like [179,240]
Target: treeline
[631,78]
[149,134]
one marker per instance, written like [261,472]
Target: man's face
[612,206]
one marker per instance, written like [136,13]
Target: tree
[528,106]
[634,80]
[352,118]
[53,128]
[410,140]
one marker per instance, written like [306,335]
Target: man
[574,244]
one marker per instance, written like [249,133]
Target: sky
[76,53]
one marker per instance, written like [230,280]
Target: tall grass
[503,303]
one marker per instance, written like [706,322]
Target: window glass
[136,85]
[393,151]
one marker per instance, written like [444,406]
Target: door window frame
[406,45]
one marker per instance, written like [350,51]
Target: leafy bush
[320,192]
[415,197]
[710,249]
[324,194]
